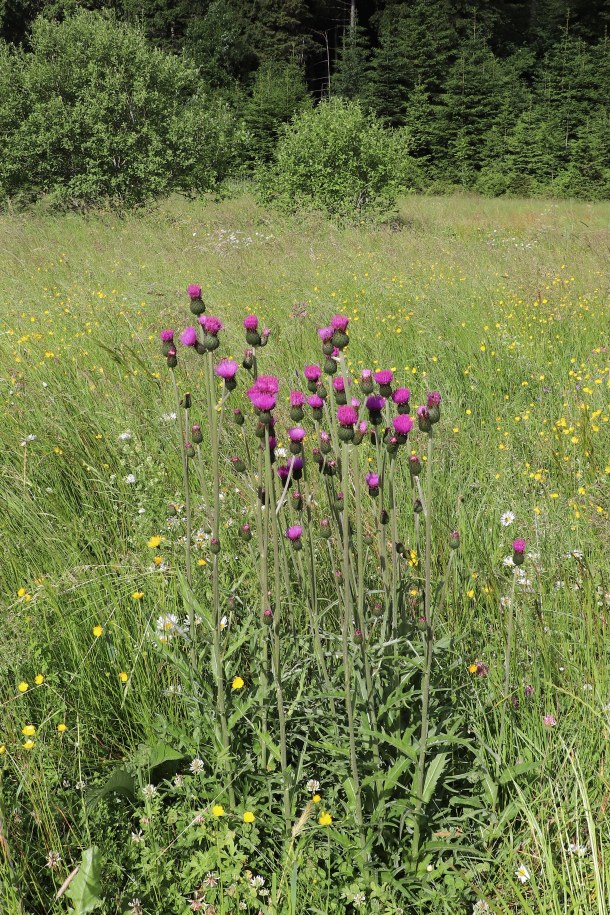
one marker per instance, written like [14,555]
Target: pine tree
[351,77]
[279,91]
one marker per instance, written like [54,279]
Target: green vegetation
[500,305]
[103,102]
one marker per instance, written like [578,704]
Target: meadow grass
[504,307]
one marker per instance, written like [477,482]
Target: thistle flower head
[297,434]
[267,384]
[294,532]
[375,403]
[251,322]
[372,480]
[188,337]
[167,336]
[315,402]
[261,400]
[297,398]
[519,545]
[210,324]
[347,416]
[401,396]
[226,369]
[194,291]
[402,424]
[339,322]
[312,372]
[338,383]
[325,334]
[384,376]
[433,399]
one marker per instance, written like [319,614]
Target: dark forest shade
[500,96]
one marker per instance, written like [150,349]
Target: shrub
[105,117]
[340,160]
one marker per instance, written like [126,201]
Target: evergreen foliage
[505,96]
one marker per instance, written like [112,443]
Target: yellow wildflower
[249,817]
[325,818]
[472,669]
[29,730]
[98,631]
[154,542]
[62,727]
[28,745]
[218,810]
[237,683]
[39,679]
[138,595]
[316,798]
[23,687]
[123,677]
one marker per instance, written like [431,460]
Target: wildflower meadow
[304,574]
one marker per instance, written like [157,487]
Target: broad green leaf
[84,891]
[119,782]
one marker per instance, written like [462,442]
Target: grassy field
[504,307]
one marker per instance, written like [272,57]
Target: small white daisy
[522,874]
[507,518]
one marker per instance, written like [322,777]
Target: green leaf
[435,770]
[119,782]
[84,891]
[511,773]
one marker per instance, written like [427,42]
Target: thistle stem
[427,669]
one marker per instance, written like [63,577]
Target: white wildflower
[507,518]
[196,766]
[522,874]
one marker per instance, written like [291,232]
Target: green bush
[92,113]
[339,160]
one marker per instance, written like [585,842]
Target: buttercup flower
[325,818]
[249,817]
[218,810]
[237,683]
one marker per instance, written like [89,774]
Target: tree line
[126,99]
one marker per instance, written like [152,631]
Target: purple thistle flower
[401,396]
[384,377]
[355,403]
[315,402]
[261,400]
[283,472]
[297,465]
[339,322]
[226,369]
[210,324]
[375,403]
[519,545]
[366,375]
[188,337]
[362,427]
[267,384]
[297,399]
[194,291]
[167,336]
[347,416]
[372,480]
[402,424]
[297,434]
[294,532]
[423,412]
[325,334]
[251,322]
[433,398]
[549,721]
[338,383]
[312,372]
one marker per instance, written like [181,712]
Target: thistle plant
[330,537]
